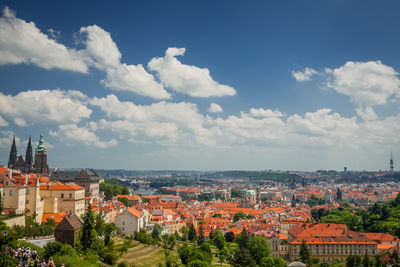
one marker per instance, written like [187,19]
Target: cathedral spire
[29,157]
[13,155]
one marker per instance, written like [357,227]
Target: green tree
[366,260]
[192,235]
[304,252]
[184,231]
[267,262]
[223,254]
[229,236]
[125,201]
[197,263]
[219,240]
[279,262]
[1,204]
[238,216]
[243,239]
[243,258]
[200,238]
[157,229]
[99,224]
[88,233]
[259,248]
[171,241]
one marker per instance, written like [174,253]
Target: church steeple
[29,157]
[13,155]
[40,146]
[41,157]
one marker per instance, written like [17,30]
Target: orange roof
[385,247]
[380,237]
[135,212]
[57,217]
[60,186]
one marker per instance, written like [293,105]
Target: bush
[123,264]
[108,257]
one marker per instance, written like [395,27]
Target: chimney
[26,179]
[9,173]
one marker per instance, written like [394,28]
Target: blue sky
[203,85]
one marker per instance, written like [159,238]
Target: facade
[67,230]
[69,198]
[90,180]
[329,241]
[131,220]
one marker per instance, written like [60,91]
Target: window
[10,193]
[70,195]
[27,201]
[62,195]
[27,191]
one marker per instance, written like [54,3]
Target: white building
[131,220]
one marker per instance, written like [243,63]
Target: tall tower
[391,161]
[29,157]
[12,162]
[41,157]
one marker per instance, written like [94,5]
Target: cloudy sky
[203,85]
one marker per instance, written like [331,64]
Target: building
[69,198]
[29,164]
[67,230]
[131,221]
[90,180]
[329,241]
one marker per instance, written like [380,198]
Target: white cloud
[72,132]
[215,108]
[44,106]
[366,113]
[186,79]
[3,122]
[322,123]
[6,139]
[260,112]
[366,83]
[103,54]
[23,42]
[304,75]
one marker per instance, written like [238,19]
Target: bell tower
[41,157]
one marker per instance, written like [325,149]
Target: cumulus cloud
[23,42]
[366,83]
[187,79]
[72,132]
[304,75]
[44,106]
[260,112]
[103,54]
[3,122]
[215,108]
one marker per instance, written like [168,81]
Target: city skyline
[210,86]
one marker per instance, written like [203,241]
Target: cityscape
[264,134]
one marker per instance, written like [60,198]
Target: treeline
[258,175]
[169,182]
[110,189]
[380,217]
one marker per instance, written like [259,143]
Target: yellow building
[329,241]
[69,198]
